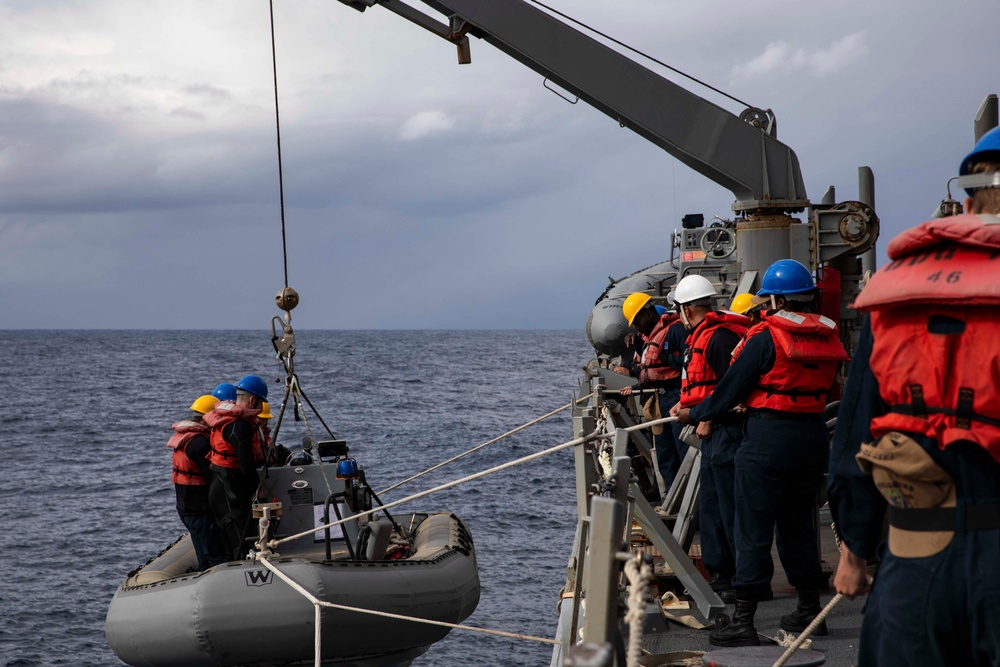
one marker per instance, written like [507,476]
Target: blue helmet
[225,392]
[987,148]
[253,385]
[786,276]
[660,310]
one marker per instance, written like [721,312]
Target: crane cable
[638,52]
[277,123]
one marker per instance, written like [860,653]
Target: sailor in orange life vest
[711,337]
[237,451]
[190,448]
[919,427]
[783,374]
[659,368]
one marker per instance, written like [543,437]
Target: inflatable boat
[241,613]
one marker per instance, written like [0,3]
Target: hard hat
[253,385]
[204,404]
[987,148]
[265,411]
[692,288]
[660,310]
[633,304]
[786,276]
[225,392]
[742,303]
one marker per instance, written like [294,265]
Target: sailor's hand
[675,409]
[621,370]
[630,340]
[683,415]
[852,575]
[704,430]
[626,391]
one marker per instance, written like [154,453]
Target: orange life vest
[223,453]
[186,471]
[806,353]
[653,367]
[698,380]
[942,385]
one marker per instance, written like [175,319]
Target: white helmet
[692,288]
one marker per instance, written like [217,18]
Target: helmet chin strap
[684,319]
[774,303]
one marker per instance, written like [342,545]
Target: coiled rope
[478,447]
[639,574]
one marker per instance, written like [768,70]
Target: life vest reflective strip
[186,471]
[942,385]
[653,367]
[223,453]
[806,353]
[699,380]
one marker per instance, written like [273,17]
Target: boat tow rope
[503,466]
[820,617]
[319,604]
[478,447]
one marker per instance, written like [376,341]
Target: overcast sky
[138,169]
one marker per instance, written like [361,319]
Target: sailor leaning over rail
[923,390]
[711,338]
[237,451]
[783,374]
[659,368]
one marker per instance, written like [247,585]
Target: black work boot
[723,586]
[740,631]
[807,610]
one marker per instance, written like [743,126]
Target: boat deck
[840,646]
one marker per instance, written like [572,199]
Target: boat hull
[240,613]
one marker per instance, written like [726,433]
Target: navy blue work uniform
[937,610]
[778,471]
[717,491]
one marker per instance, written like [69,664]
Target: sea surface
[86,496]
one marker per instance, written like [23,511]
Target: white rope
[478,447]
[331,605]
[638,578]
[820,617]
[510,464]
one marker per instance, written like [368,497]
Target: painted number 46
[952,277]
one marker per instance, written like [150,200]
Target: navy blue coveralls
[779,469]
[194,511]
[939,610]
[717,492]
[670,450]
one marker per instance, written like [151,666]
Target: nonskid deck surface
[840,645]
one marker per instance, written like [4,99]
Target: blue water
[85,492]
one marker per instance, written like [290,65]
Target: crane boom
[762,173]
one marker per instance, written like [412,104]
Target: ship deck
[840,646]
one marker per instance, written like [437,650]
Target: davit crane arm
[739,153]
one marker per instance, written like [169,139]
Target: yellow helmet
[204,404]
[265,411]
[742,303]
[633,304]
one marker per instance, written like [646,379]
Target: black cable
[637,51]
[277,123]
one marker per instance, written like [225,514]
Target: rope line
[478,447]
[638,577]
[454,626]
[510,464]
[638,52]
[820,617]
[277,123]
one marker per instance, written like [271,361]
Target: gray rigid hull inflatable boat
[240,613]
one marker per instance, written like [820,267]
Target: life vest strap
[770,390]
[189,473]
[937,519]
[910,410]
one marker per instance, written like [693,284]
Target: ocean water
[85,490]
